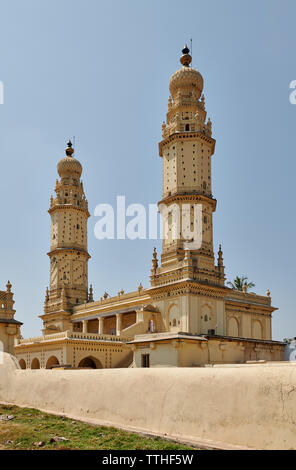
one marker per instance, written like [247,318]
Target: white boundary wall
[245,405]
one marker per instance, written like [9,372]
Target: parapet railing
[74,335]
[97,337]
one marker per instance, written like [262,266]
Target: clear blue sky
[99,70]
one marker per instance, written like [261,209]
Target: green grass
[30,425]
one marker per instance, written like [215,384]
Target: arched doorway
[90,363]
[35,363]
[22,364]
[51,362]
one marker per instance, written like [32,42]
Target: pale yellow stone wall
[190,353]
[245,405]
[162,356]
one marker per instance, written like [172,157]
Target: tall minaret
[68,245]
[186,148]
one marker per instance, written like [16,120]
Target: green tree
[239,282]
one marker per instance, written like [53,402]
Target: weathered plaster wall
[248,405]
[213,351]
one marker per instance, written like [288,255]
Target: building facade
[187,317]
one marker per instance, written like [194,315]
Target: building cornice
[68,249]
[189,196]
[68,207]
[187,136]
[189,286]
[10,321]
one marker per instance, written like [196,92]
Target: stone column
[118,323]
[101,326]
[84,326]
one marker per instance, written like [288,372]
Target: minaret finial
[186,57]
[69,149]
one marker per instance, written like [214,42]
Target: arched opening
[233,327]
[257,330]
[52,362]
[22,364]
[90,363]
[187,127]
[173,316]
[206,323]
[35,364]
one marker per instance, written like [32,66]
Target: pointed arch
[52,362]
[90,362]
[35,364]
[257,329]
[233,327]
[22,364]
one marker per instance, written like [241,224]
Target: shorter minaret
[68,245]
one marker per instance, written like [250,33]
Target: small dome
[69,166]
[184,78]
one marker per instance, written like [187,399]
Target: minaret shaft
[68,246]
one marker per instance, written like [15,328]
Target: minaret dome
[186,77]
[69,166]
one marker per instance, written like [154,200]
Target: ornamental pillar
[118,323]
[101,326]
[84,326]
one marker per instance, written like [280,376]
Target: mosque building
[188,317]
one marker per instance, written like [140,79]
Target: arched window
[35,364]
[187,127]
[22,364]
